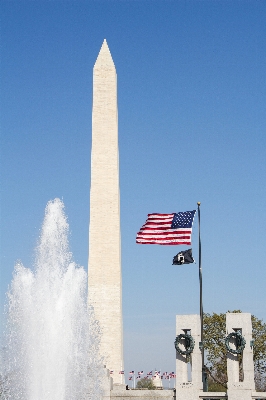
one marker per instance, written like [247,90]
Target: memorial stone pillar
[188,381]
[240,388]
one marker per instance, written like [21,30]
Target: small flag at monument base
[183,257]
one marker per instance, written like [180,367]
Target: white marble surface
[104,270]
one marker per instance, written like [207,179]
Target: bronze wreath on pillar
[189,344]
[240,342]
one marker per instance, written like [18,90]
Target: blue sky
[192,118]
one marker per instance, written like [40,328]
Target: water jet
[52,337]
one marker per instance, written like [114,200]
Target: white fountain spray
[52,337]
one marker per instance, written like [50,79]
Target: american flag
[175,228]
[131,372]
[121,372]
[140,373]
[150,373]
[111,372]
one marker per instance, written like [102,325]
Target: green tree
[214,330]
[145,383]
[214,386]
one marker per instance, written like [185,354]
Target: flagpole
[201,307]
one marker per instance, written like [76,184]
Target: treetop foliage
[145,383]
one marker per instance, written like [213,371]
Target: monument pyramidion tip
[104,59]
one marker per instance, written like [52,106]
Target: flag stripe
[162,216]
[164,228]
[151,237]
[171,233]
[163,243]
[153,225]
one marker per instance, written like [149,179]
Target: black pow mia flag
[183,257]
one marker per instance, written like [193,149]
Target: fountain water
[52,336]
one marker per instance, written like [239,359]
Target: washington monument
[104,271]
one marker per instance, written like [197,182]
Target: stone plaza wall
[142,395]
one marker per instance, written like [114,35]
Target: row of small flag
[165,375]
[120,372]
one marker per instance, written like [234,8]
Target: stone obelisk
[104,271]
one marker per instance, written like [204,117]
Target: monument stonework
[104,269]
